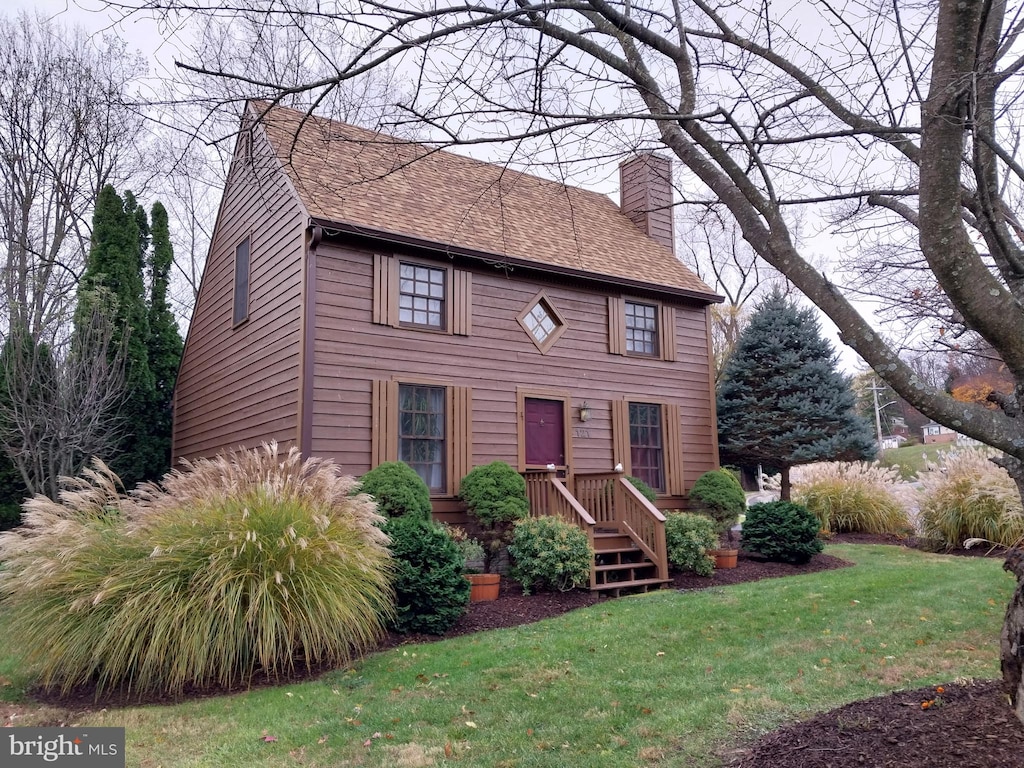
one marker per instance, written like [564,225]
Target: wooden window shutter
[668,333]
[460,442]
[616,325]
[461,302]
[384,422]
[385,290]
[673,451]
[620,435]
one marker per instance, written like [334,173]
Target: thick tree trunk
[1012,640]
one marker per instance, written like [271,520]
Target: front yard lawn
[664,679]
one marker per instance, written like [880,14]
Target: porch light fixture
[585,411]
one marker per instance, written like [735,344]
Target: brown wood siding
[497,357]
[240,386]
[645,192]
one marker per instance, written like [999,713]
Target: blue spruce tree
[782,402]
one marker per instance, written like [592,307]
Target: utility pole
[875,389]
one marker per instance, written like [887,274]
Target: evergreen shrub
[10,516]
[243,564]
[688,538]
[397,489]
[645,490]
[721,494]
[549,553]
[431,593]
[495,494]
[783,531]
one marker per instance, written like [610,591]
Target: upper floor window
[418,295]
[421,296]
[241,295]
[642,329]
[542,322]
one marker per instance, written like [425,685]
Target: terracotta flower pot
[483,586]
[724,558]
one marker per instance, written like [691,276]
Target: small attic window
[542,322]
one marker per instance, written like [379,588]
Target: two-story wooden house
[370,299]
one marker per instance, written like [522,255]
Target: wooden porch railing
[549,496]
[644,522]
[603,500]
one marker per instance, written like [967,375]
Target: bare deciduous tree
[66,129]
[59,401]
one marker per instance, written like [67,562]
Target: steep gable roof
[376,184]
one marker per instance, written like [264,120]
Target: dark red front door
[545,432]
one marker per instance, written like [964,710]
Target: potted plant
[719,495]
[483,586]
[495,496]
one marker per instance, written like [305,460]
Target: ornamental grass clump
[248,563]
[966,496]
[549,553]
[851,497]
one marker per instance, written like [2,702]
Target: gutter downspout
[308,343]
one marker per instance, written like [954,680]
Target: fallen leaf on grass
[268,739]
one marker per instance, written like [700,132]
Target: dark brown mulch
[968,726]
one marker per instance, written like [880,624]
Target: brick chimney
[645,195]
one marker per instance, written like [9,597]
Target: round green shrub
[398,490]
[495,494]
[688,538]
[645,490]
[783,531]
[549,553]
[431,593]
[243,564]
[721,494]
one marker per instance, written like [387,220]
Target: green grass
[910,459]
[665,679]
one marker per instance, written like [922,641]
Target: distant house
[369,299]
[936,433]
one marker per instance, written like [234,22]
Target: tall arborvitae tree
[113,283]
[165,344]
[782,402]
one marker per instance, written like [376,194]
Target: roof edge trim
[334,228]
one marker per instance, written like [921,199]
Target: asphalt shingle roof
[370,181]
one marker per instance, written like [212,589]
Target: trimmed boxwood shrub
[783,531]
[430,591]
[549,553]
[495,494]
[397,489]
[721,494]
[688,538]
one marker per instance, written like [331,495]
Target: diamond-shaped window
[542,322]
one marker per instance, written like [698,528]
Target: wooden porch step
[615,588]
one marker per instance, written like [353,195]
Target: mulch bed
[969,726]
